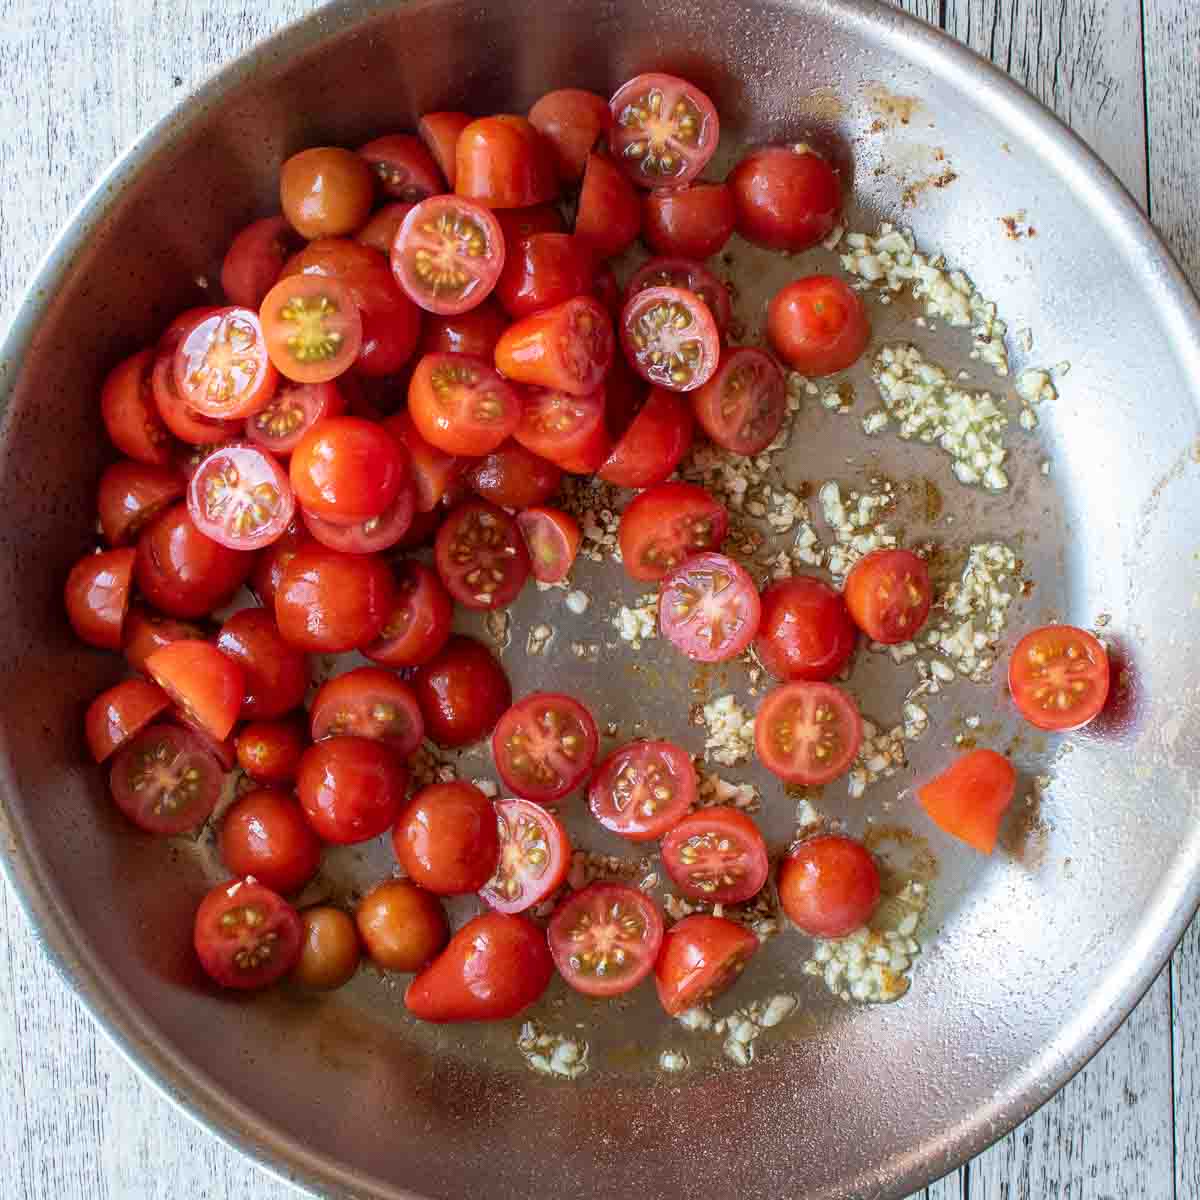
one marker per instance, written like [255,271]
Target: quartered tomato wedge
[969,799]
[544,746]
[807,733]
[130,415]
[97,596]
[473,332]
[274,673]
[404,167]
[670,338]
[818,325]
[535,854]
[207,685]
[553,538]
[694,222]
[566,429]
[246,936]
[643,789]
[653,444]
[241,497]
[293,411]
[743,405]
[888,594]
[605,938]
[664,130]
[221,365]
[439,131]
[666,524]
[130,495]
[481,556]
[462,404]
[120,713]
[690,276]
[568,347]
[346,470]
[368,702]
[1059,676]
[254,260]
[708,607]
[514,477]
[165,780]
[572,121]
[419,623]
[503,162]
[829,886]
[543,269]
[312,326]
[716,854]
[701,957]
[805,631]
[610,213]
[372,535]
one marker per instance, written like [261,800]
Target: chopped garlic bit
[594,504]
[498,624]
[743,1027]
[673,1061]
[730,727]
[759,914]
[880,756]
[489,787]
[552,1053]
[696,1020]
[578,602]
[587,868]
[540,637]
[427,766]
[716,790]
[640,623]
[855,521]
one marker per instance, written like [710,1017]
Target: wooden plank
[1185,1046]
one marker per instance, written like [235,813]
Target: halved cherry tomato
[541,270]
[348,469]
[690,276]
[351,788]
[605,938]
[653,444]
[805,631]
[666,524]
[439,131]
[610,213]
[818,325]
[188,426]
[513,477]
[701,957]
[535,854]
[274,673]
[241,497]
[254,260]
[120,713]
[606,289]
[690,222]
[572,121]
[642,790]
[888,594]
[222,369]
[326,191]
[553,538]
[664,130]
[462,404]
[402,925]
[519,223]
[372,535]
[294,410]
[463,691]
[743,406]
[328,602]
[130,415]
[496,965]
[368,702]
[130,495]
[716,854]
[165,780]
[269,564]
[566,429]
[544,746]
[474,332]
[829,886]
[787,197]
[807,733]
[245,935]
[670,338]
[433,470]
[568,347]
[208,686]
[969,799]
[481,556]
[146,632]
[312,326]
[504,162]
[708,607]
[405,169]
[269,751]
[1059,676]
[264,835]
[97,596]
[419,623]
[379,233]
[446,838]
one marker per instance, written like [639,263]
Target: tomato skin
[206,684]
[653,445]
[701,957]
[572,121]
[264,835]
[326,191]
[690,222]
[670,338]
[803,707]
[329,949]
[97,596]
[496,965]
[404,167]
[350,788]
[473,332]
[888,594]
[147,780]
[402,926]
[446,839]
[743,406]
[328,602]
[312,326]
[610,214]
[275,673]
[553,538]
[380,231]
[568,347]
[221,366]
[534,857]
[606,289]
[597,921]
[146,632]
[130,415]
[368,702]
[818,325]
[240,497]
[462,691]
[1059,677]
[348,469]
[787,197]
[565,429]
[805,631]
[658,776]
[542,270]
[513,477]
[519,223]
[188,426]
[969,799]
[481,556]
[232,950]
[294,410]
[708,607]
[694,857]
[120,713]
[654,156]
[254,260]
[269,563]
[461,404]
[269,751]
[440,131]
[666,524]
[419,624]
[369,536]
[433,470]
[829,886]
[504,162]
[544,746]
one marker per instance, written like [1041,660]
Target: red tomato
[664,130]
[329,950]
[351,788]
[325,191]
[433,470]
[666,524]
[743,406]
[1058,676]
[504,162]
[419,623]
[691,222]
[348,469]
[572,121]
[654,443]
[130,414]
[818,325]
[807,733]
[269,751]
[474,332]
[294,410]
[130,495]
[544,746]
[146,632]
[568,347]
[610,215]
[535,854]
[462,691]
[268,568]
[265,835]
[805,631]
[120,713]
[312,326]
[787,197]
[446,839]
[328,602]
[519,223]
[670,338]
[373,534]
[405,169]
[240,497]
[275,674]
[165,780]
[643,789]
[701,957]
[541,270]
[496,965]
[221,365]
[513,477]
[380,231]
[888,594]
[690,276]
[372,703]
[564,428]
[188,426]
[448,254]
[207,685]
[97,596]
[969,799]
[605,938]
[829,886]
[606,289]
[553,538]
[708,607]
[402,926]
[461,404]
[439,131]
[224,750]
[481,555]
[254,260]
[245,935]
[716,854]
[333,257]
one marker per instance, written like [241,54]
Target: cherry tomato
[269,751]
[245,935]
[254,260]
[664,130]
[504,162]
[708,607]
[328,949]
[743,406]
[165,780]
[481,556]
[419,623]
[221,366]
[1058,676]
[818,325]
[568,347]
[829,886]
[670,338]
[666,524]
[351,788]
[121,712]
[207,685]
[888,595]
[566,429]
[146,632]
[130,413]
[535,854]
[402,926]
[188,426]
[333,257]
[380,231]
[130,495]
[805,631]
[224,750]
[264,835]
[690,222]
[572,121]
[969,799]
[240,497]
[329,602]
[326,191]
[496,965]
[439,131]
[446,839]
[348,469]
[269,564]
[690,276]
[275,674]
[610,213]
[97,596]
[433,470]
[405,169]
[462,691]
[369,536]
[701,957]
[544,746]
[312,326]
[474,332]
[519,223]
[716,854]
[807,733]
[787,197]
[643,790]
[541,270]
[372,703]
[461,404]
[294,410]
[553,538]
[606,289]
[513,477]
[653,444]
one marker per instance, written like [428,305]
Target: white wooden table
[78,80]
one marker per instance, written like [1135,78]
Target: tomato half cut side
[829,886]
[419,623]
[654,443]
[312,326]
[241,497]
[605,938]
[544,746]
[666,524]
[553,538]
[404,167]
[716,854]
[439,131]
[275,674]
[165,781]
[503,162]
[563,428]
[691,222]
[568,347]
[293,411]
[969,799]
[130,495]
[805,631]
[255,259]
[182,421]
[743,406]
[609,217]
[130,414]
[535,855]
[1059,676]
[709,608]
[888,594]
[120,713]
[481,556]
[807,733]
[818,325]
[572,121]
[462,405]
[642,790]
[246,936]
[97,596]
[691,276]
[368,702]
[664,130]
[208,686]
[701,957]
[670,338]
[222,368]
